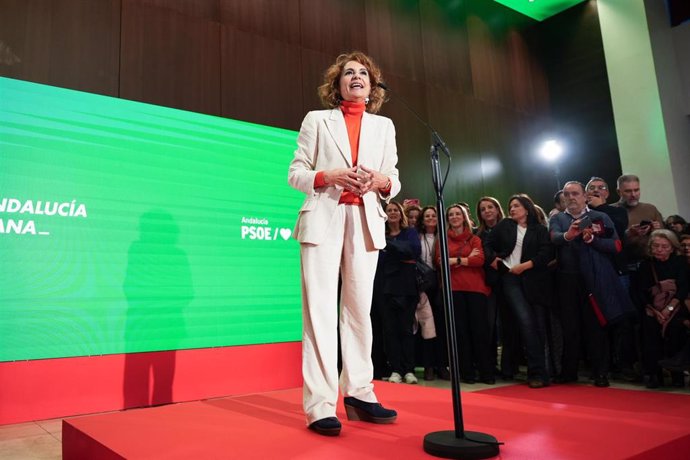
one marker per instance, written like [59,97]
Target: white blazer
[323,144]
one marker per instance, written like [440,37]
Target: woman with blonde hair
[490,213]
[466,258]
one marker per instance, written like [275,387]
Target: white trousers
[348,250]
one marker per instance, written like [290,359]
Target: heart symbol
[285,233]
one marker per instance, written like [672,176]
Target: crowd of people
[603,279]
[590,289]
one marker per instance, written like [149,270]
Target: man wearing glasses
[597,196]
[622,336]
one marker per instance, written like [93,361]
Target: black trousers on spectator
[398,321]
[580,324]
[656,347]
[472,330]
[511,350]
[378,347]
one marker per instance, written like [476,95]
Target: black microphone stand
[456,443]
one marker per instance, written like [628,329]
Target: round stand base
[472,446]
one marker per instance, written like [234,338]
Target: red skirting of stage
[559,422]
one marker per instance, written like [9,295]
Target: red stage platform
[559,422]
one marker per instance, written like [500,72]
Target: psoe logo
[253,228]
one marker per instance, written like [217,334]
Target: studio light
[551,150]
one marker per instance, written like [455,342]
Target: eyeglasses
[598,187]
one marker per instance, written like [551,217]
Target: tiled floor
[33,440]
[43,439]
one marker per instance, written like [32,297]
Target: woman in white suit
[345,163]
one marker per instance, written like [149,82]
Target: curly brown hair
[329,91]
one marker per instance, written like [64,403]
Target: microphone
[455,442]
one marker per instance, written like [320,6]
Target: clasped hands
[357,179]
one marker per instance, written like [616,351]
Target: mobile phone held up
[584,223]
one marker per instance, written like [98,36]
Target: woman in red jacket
[466,260]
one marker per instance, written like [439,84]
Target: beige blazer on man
[323,144]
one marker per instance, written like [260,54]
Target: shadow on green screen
[158,288]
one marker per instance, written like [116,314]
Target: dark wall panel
[454,115]
[276,19]
[261,68]
[333,27]
[571,51]
[267,90]
[314,63]
[169,58]
[394,37]
[530,88]
[488,62]
[445,45]
[504,70]
[492,82]
[68,43]
[413,138]
[200,9]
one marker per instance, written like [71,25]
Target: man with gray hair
[590,292]
[643,219]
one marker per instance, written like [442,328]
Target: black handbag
[426,277]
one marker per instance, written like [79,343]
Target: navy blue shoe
[329,426]
[368,412]
[601,381]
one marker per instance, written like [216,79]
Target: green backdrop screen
[128,227]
